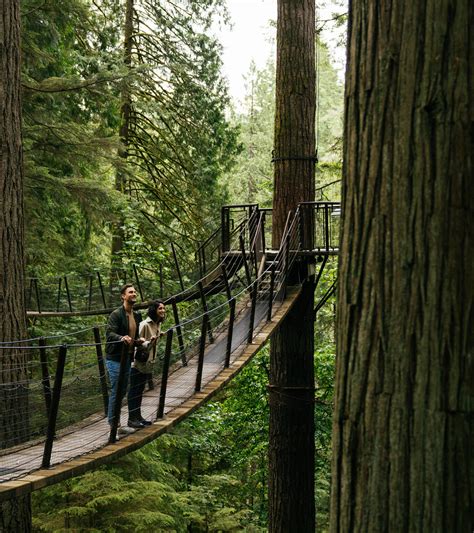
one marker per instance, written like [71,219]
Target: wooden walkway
[81,449]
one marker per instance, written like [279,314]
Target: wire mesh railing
[55,390]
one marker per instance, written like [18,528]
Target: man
[122,329]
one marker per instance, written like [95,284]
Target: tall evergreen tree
[403,422]
[15,514]
[291,449]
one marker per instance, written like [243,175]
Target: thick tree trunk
[291,447]
[15,514]
[294,110]
[403,426]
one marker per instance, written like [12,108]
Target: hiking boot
[136,424]
[144,422]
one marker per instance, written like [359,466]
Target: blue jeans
[113,369]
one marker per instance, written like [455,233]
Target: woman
[150,330]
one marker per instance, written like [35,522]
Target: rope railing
[58,388]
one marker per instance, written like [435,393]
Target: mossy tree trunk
[291,446]
[15,514]
[403,425]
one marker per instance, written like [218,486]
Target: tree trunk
[291,447]
[403,425]
[121,175]
[15,514]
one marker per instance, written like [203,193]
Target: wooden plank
[96,457]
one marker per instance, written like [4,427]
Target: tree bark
[403,423]
[291,446]
[15,514]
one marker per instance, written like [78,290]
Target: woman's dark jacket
[117,327]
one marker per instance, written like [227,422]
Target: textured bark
[294,110]
[403,426]
[15,514]
[291,446]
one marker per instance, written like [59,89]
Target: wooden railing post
[46,378]
[164,375]
[202,347]
[230,332]
[100,364]
[118,395]
[179,332]
[53,412]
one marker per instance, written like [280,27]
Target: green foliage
[74,75]
[252,180]
[68,130]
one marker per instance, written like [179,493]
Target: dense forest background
[132,143]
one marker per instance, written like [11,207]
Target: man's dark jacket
[117,327]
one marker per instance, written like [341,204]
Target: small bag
[142,353]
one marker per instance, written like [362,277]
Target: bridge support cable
[325,298]
[53,411]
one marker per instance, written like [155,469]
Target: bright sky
[251,38]
[248,39]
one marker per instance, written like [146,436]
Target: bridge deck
[84,447]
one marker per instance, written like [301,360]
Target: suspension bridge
[57,401]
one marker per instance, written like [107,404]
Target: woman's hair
[152,309]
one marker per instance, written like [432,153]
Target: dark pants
[135,394]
